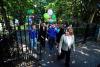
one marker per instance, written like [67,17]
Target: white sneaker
[35,48]
[30,51]
[49,55]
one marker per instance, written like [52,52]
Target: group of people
[57,35]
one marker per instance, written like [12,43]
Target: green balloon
[54,17]
[46,16]
[31,11]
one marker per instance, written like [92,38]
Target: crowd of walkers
[60,36]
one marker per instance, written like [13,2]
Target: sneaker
[31,51]
[35,48]
[42,51]
[49,55]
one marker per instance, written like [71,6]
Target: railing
[15,48]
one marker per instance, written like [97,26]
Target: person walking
[33,37]
[42,35]
[52,33]
[61,32]
[67,43]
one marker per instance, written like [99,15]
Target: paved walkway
[86,55]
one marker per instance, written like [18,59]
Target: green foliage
[88,7]
[65,9]
[18,8]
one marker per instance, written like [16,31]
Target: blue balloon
[50,21]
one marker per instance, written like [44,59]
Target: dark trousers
[42,43]
[51,43]
[66,55]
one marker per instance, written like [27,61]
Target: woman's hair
[70,30]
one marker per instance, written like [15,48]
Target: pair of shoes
[30,51]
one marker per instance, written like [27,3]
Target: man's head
[33,26]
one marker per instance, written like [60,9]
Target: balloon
[50,12]
[46,16]
[54,17]
[51,21]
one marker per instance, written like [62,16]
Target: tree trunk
[92,17]
[3,13]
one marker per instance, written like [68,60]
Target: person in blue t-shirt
[52,32]
[33,37]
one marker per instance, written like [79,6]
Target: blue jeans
[34,43]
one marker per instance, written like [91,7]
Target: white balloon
[50,12]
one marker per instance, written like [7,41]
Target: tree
[16,8]
[88,10]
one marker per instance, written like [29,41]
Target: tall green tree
[89,10]
[16,8]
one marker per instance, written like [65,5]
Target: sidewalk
[88,55]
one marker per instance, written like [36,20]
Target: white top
[66,42]
[69,39]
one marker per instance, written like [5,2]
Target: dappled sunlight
[76,55]
[85,47]
[52,61]
[27,64]
[73,62]
[42,60]
[85,62]
[98,50]
[35,55]
[45,52]
[43,64]
[83,53]
[1,27]
[48,62]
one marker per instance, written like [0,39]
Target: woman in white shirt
[66,43]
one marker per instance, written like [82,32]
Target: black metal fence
[15,47]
